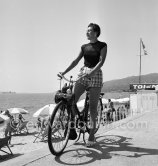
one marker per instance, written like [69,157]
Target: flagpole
[140,64]
[145,53]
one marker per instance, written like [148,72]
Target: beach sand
[22,143]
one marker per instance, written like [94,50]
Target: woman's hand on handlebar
[60,75]
[85,75]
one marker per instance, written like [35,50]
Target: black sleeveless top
[91,53]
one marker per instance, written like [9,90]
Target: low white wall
[143,102]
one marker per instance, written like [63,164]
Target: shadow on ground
[6,157]
[105,148]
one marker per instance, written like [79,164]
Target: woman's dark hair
[96,28]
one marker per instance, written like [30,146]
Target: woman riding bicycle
[94,54]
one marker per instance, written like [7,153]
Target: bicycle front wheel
[58,130]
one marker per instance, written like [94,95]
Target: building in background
[144,98]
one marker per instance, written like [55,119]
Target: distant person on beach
[9,125]
[8,114]
[91,78]
[39,123]
[21,119]
[123,112]
[111,109]
[44,122]
[104,115]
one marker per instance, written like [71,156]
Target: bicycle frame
[81,116]
[60,121]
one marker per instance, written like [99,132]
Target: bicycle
[61,118]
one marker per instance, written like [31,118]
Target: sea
[34,101]
[29,101]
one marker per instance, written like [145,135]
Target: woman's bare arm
[73,64]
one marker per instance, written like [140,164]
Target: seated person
[39,123]
[9,125]
[21,119]
[8,114]
[44,122]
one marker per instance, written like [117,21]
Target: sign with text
[135,87]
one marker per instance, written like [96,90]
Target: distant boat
[7,92]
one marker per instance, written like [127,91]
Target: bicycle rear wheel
[58,131]
[98,118]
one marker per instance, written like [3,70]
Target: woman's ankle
[91,137]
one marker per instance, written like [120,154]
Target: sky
[39,38]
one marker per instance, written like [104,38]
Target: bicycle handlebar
[70,80]
[66,79]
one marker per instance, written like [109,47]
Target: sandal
[90,144]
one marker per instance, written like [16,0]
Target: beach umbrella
[3,119]
[123,100]
[18,111]
[45,111]
[104,101]
[114,100]
[81,103]
[119,100]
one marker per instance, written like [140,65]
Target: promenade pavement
[129,142]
